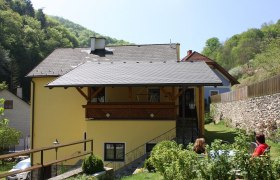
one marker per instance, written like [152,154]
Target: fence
[266,87]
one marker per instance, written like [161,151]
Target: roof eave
[137,85]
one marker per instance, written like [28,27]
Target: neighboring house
[227,79]
[17,112]
[122,97]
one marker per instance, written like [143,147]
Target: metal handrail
[140,151]
[42,149]
[38,166]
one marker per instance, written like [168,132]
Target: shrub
[224,161]
[163,154]
[172,161]
[92,164]
[208,118]
[148,165]
[276,168]
[220,163]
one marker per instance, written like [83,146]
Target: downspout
[32,119]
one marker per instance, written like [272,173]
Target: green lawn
[221,131]
[6,167]
[144,176]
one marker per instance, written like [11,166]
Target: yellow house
[125,98]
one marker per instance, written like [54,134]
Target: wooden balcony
[130,111]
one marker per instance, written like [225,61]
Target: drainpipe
[32,119]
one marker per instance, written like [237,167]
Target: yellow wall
[57,115]
[131,132]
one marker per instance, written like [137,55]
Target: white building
[17,112]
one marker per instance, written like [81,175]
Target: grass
[144,176]
[6,167]
[275,149]
[221,131]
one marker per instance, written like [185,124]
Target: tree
[8,136]
[40,16]
[29,10]
[212,46]
[4,65]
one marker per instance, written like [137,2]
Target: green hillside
[251,56]
[27,36]
[83,34]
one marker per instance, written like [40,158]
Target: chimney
[97,43]
[19,92]
[189,52]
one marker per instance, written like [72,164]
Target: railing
[157,111]
[266,87]
[43,164]
[140,151]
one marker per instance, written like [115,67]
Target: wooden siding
[130,111]
[266,87]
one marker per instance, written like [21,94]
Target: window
[214,92]
[8,104]
[149,147]
[114,151]
[154,95]
[100,96]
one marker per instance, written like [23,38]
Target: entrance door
[189,103]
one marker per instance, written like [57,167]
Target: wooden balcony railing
[131,111]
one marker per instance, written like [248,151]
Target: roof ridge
[144,44]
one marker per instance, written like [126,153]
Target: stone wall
[258,114]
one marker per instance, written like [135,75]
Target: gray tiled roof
[62,61]
[142,73]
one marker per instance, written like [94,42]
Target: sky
[188,22]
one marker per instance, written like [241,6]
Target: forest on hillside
[251,56]
[27,36]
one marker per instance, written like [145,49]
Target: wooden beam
[169,94]
[130,94]
[173,92]
[89,92]
[97,92]
[177,95]
[200,111]
[82,93]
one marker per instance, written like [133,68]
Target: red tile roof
[196,57]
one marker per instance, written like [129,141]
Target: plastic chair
[252,147]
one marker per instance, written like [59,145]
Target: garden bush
[92,164]
[148,165]
[223,161]
[172,161]
[208,118]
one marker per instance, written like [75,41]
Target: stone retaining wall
[253,114]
